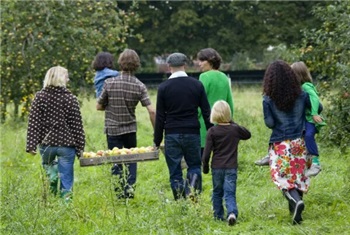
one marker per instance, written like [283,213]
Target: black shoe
[231,220]
[299,207]
[130,195]
[291,208]
[193,197]
[125,196]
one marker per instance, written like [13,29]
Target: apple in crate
[86,154]
[115,151]
[134,150]
[125,151]
[89,154]
[100,153]
[108,153]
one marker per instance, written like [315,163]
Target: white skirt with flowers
[288,164]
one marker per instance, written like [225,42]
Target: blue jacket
[100,78]
[285,125]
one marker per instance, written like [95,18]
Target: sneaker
[299,207]
[263,162]
[67,196]
[313,171]
[231,220]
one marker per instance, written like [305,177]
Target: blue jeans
[65,160]
[124,141]
[189,147]
[224,187]
[310,142]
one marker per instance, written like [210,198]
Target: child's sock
[315,160]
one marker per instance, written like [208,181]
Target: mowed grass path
[27,208]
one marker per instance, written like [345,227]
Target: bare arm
[152,114]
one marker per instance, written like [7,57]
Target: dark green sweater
[217,87]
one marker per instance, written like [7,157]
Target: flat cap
[176,59]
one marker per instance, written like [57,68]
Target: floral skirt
[288,163]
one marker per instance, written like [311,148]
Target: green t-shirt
[309,88]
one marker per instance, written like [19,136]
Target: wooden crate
[127,158]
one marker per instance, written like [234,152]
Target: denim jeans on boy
[65,159]
[187,146]
[224,187]
[127,182]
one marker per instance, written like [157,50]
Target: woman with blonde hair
[222,140]
[55,125]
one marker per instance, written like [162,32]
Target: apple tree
[37,35]
[326,51]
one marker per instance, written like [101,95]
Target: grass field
[27,207]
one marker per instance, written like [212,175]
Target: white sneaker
[263,162]
[231,220]
[313,171]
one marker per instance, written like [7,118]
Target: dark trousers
[310,142]
[178,146]
[124,141]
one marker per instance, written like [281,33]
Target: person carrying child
[103,64]
[222,140]
[314,121]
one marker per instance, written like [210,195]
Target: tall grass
[27,207]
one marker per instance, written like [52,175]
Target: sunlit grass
[26,207]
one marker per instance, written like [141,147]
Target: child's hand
[205,169]
[317,118]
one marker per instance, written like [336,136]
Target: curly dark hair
[103,60]
[210,55]
[281,85]
[129,61]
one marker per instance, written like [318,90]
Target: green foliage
[28,208]
[37,35]
[228,26]
[326,50]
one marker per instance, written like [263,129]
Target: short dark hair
[103,60]
[210,55]
[129,61]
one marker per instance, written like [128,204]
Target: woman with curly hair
[284,105]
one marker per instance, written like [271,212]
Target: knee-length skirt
[288,164]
